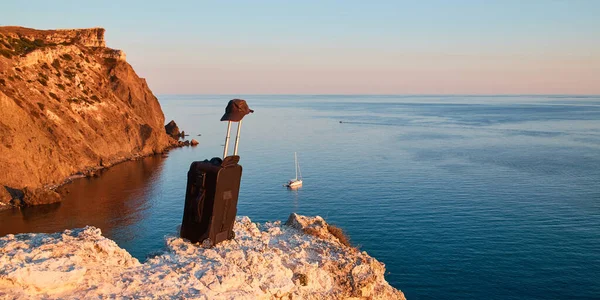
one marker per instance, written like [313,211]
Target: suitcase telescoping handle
[237,139]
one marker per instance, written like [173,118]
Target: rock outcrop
[69,105]
[173,130]
[264,261]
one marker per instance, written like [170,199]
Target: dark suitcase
[213,187]
[211,200]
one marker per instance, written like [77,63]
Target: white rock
[265,261]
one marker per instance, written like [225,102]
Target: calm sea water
[460,196]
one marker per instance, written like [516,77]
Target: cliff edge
[264,261]
[68,104]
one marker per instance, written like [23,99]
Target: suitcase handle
[237,139]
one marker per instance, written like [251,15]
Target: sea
[461,197]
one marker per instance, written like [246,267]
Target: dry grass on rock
[339,234]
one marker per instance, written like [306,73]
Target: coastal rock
[32,196]
[193,142]
[173,143]
[51,265]
[315,226]
[5,197]
[68,102]
[264,261]
[172,130]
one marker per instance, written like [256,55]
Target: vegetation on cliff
[69,105]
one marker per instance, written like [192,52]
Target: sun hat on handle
[236,110]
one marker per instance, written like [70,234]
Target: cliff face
[69,104]
[264,261]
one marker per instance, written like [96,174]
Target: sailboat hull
[294,183]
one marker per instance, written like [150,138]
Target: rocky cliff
[68,105]
[264,261]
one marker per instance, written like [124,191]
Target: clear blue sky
[374,47]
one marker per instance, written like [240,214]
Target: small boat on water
[296,182]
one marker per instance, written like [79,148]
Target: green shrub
[67,57]
[61,86]
[110,61]
[69,74]
[53,95]
[2,81]
[24,46]
[38,43]
[43,79]
[5,44]
[56,64]
[80,100]
[6,53]
[35,114]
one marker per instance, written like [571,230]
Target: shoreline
[89,172]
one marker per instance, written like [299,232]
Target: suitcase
[211,200]
[211,197]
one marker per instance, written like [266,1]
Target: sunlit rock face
[69,105]
[264,261]
[88,37]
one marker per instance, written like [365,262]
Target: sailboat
[296,182]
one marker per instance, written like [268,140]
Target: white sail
[296,164]
[299,176]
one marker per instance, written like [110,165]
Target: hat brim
[234,116]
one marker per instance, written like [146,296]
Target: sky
[342,47]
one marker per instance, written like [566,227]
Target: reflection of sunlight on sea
[460,197]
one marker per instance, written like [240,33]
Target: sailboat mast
[296,164]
